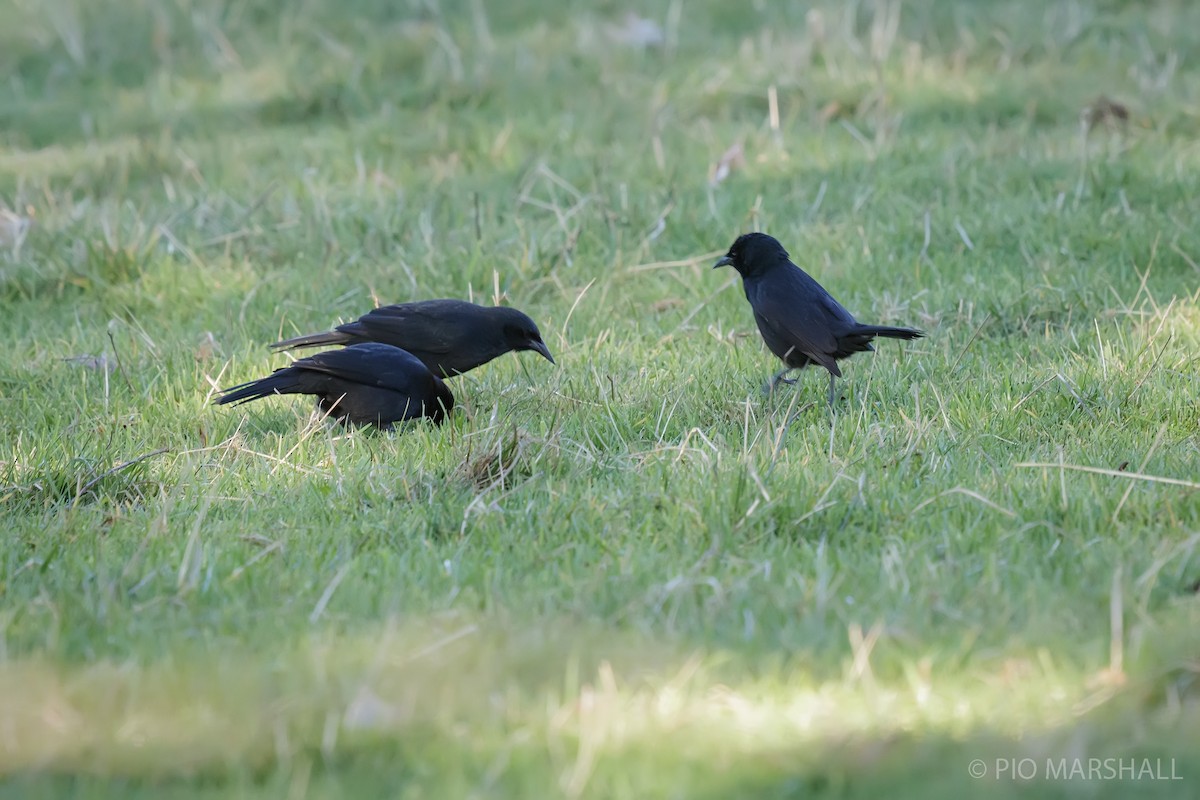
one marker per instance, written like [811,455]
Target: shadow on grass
[453,709]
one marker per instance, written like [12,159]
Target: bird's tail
[888,332]
[283,381]
[313,340]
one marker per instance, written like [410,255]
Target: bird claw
[777,379]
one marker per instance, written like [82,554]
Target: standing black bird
[364,384]
[798,319]
[450,337]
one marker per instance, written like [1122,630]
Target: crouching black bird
[450,337]
[800,322]
[364,384]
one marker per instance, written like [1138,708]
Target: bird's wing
[798,315]
[371,364]
[427,327]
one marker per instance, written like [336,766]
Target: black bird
[364,384]
[450,337]
[800,321]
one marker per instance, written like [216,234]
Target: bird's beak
[723,262]
[541,349]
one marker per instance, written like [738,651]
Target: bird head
[521,333]
[753,253]
[443,404]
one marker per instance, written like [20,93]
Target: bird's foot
[777,379]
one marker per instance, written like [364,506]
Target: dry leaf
[1107,678]
[208,347]
[99,362]
[731,159]
[829,112]
[1103,111]
[13,228]
[367,711]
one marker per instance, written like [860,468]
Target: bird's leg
[831,380]
[777,379]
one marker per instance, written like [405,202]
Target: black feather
[449,337]
[363,384]
[800,321]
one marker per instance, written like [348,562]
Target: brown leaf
[208,347]
[1103,111]
[830,111]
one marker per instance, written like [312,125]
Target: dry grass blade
[629,575]
[87,487]
[710,256]
[1112,473]
[966,493]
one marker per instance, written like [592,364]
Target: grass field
[631,575]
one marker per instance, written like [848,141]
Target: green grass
[631,575]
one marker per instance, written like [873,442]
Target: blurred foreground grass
[632,575]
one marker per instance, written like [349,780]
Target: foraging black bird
[800,321]
[449,336]
[364,384]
